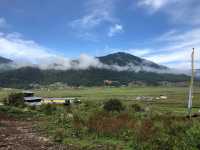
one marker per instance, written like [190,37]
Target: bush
[15,99]
[104,123]
[137,108]
[5,101]
[193,136]
[113,105]
[48,109]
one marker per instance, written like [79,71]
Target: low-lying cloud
[28,53]
[85,62]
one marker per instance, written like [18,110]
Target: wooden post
[191,86]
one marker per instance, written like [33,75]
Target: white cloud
[3,23]
[29,53]
[179,11]
[14,46]
[117,28]
[173,56]
[86,61]
[176,49]
[153,4]
[139,52]
[97,12]
[91,20]
[172,49]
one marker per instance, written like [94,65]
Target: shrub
[108,124]
[193,136]
[5,101]
[48,109]
[113,105]
[137,108]
[15,99]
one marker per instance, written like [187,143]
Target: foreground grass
[159,125]
[89,126]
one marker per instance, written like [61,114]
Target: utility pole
[191,86]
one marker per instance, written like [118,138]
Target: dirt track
[19,135]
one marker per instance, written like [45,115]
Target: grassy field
[89,125]
[176,102]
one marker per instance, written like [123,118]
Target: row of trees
[22,77]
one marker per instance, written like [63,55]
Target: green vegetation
[28,76]
[23,77]
[91,128]
[15,99]
[113,105]
[19,113]
[176,101]
[140,125]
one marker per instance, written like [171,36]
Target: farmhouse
[66,101]
[30,99]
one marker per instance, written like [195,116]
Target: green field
[176,101]
[157,124]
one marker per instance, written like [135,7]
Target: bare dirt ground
[16,134]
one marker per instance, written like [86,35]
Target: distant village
[110,83]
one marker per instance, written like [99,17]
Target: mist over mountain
[127,62]
[88,71]
[4,60]
[5,64]
[124,59]
[118,62]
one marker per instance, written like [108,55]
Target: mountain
[4,60]
[93,76]
[22,77]
[5,64]
[125,59]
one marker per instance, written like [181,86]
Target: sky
[163,31]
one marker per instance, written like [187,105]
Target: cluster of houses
[32,100]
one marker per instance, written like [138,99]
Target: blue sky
[163,31]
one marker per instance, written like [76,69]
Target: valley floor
[142,124]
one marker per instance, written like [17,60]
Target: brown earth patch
[17,134]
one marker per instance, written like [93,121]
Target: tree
[15,99]
[113,105]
